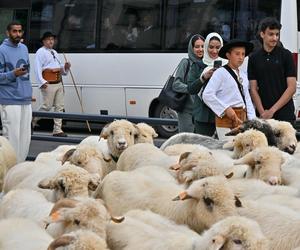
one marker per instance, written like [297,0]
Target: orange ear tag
[55,216]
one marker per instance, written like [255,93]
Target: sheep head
[247,141]
[89,158]
[120,134]
[195,165]
[285,135]
[80,239]
[146,133]
[86,213]
[213,198]
[264,164]
[71,182]
[236,232]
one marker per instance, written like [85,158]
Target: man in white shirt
[227,92]
[48,70]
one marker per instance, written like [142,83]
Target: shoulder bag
[169,97]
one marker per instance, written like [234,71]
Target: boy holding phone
[227,92]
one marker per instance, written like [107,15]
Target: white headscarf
[207,60]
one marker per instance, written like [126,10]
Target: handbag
[171,98]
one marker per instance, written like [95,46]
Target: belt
[226,122]
[52,76]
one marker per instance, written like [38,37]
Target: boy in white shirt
[227,92]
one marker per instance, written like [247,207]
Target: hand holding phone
[25,67]
[217,64]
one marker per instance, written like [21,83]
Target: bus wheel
[164,112]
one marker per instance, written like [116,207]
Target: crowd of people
[222,95]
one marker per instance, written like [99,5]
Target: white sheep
[147,230]
[283,200]
[202,204]
[143,154]
[146,133]
[285,135]
[70,182]
[264,164]
[119,134]
[79,240]
[8,158]
[246,142]
[254,189]
[25,203]
[87,213]
[90,158]
[278,223]
[20,234]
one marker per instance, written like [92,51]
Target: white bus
[122,51]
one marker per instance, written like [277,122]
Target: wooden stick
[80,101]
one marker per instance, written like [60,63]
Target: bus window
[7,15]
[131,25]
[248,15]
[74,23]
[185,18]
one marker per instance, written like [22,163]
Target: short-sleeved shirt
[270,70]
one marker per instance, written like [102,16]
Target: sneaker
[61,134]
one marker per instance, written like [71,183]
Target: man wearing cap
[227,92]
[48,70]
[272,75]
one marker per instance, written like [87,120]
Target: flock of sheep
[121,192]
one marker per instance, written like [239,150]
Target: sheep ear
[94,183]
[175,167]
[209,203]
[184,156]
[104,132]
[46,184]
[67,155]
[247,159]
[154,135]
[218,241]
[235,131]
[238,202]
[136,130]
[228,176]
[117,219]
[229,145]
[182,196]
[62,241]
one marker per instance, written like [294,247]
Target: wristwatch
[222,115]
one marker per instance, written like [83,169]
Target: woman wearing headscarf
[199,74]
[195,53]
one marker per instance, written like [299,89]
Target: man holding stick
[49,71]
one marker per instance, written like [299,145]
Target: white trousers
[53,96]
[16,127]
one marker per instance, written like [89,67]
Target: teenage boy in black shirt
[272,75]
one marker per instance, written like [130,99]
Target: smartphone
[217,64]
[25,67]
